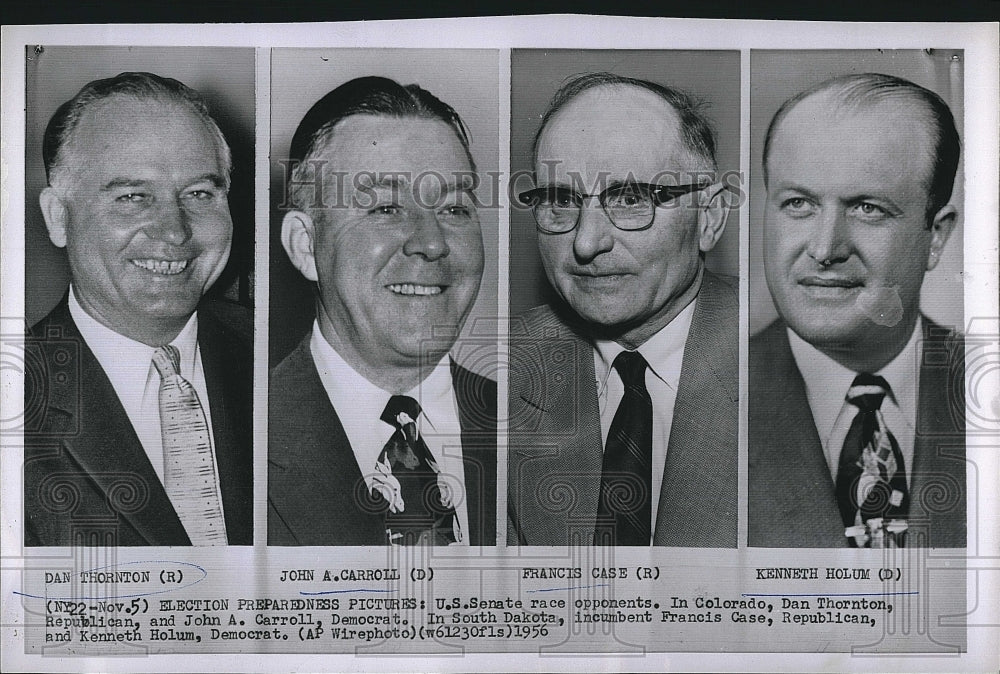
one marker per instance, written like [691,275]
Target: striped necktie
[625,507]
[419,511]
[189,467]
[871,475]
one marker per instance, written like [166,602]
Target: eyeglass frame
[659,195]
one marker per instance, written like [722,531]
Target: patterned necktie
[624,512]
[189,468]
[419,510]
[871,475]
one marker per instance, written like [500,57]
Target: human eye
[458,211]
[201,194]
[866,210]
[560,198]
[458,208]
[132,198]
[385,210]
[797,207]
[628,197]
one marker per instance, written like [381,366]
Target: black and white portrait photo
[857,413]
[383,299]
[138,291]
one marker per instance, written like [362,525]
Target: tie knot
[167,360]
[631,368]
[396,407]
[867,392]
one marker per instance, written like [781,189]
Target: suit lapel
[793,503]
[697,505]
[107,450]
[476,397]
[558,455]
[937,487]
[229,379]
[315,486]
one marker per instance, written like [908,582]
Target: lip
[411,289]
[830,282]
[161,266]
[830,288]
[598,274]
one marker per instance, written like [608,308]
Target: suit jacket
[316,494]
[87,479]
[792,497]
[556,453]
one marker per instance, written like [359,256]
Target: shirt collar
[664,351]
[116,352]
[827,381]
[360,403]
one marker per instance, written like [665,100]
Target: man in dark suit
[624,394]
[376,436]
[857,409]
[138,178]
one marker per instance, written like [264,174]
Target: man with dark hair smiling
[857,407]
[376,435]
[145,433]
[624,395]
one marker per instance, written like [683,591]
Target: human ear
[56,216]
[713,211]
[941,228]
[297,237]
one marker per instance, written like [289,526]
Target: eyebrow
[793,187]
[120,182]
[395,182]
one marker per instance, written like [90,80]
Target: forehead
[822,141]
[122,134]
[384,144]
[614,130]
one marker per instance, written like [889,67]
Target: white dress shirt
[664,352]
[827,383]
[359,405]
[129,366]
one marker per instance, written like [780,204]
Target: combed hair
[378,96]
[143,86]
[697,131]
[868,90]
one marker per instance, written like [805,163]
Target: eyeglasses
[629,206]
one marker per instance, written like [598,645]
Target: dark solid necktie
[417,512]
[871,475]
[624,510]
[189,468]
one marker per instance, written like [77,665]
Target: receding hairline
[329,134]
[841,108]
[70,144]
[604,90]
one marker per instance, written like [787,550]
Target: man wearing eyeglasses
[624,392]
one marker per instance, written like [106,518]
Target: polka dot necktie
[871,476]
[624,510]
[189,469]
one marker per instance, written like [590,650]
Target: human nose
[170,223]
[427,238]
[828,240]
[594,232]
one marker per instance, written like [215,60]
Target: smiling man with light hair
[857,407]
[144,437]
